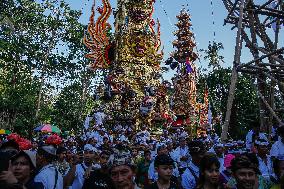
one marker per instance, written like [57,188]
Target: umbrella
[4,132]
[38,128]
[48,128]
[55,129]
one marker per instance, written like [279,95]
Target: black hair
[253,158]
[247,160]
[121,147]
[163,159]
[159,148]
[275,164]
[196,147]
[47,156]
[207,161]
[10,143]
[105,152]
[280,130]
[147,152]
[4,159]
[23,154]
[61,150]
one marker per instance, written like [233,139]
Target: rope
[166,13]
[213,20]
[169,19]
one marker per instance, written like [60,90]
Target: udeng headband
[262,143]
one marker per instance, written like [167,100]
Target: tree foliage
[42,56]
[212,54]
[245,106]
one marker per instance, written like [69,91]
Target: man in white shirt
[252,135]
[143,136]
[182,155]
[265,165]
[75,177]
[190,176]
[102,134]
[165,138]
[99,117]
[219,151]
[122,137]
[122,171]
[95,133]
[213,136]
[48,176]
[152,173]
[171,150]
[277,148]
[183,133]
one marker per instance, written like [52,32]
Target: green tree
[18,93]
[245,107]
[212,54]
[67,111]
[41,53]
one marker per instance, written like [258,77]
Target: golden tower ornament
[133,81]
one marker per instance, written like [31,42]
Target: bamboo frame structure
[253,22]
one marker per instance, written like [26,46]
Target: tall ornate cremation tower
[133,79]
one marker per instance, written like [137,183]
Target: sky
[201,18]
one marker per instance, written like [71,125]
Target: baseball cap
[50,149]
[27,153]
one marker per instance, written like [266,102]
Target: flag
[210,118]
[188,66]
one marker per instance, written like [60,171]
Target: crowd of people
[122,158]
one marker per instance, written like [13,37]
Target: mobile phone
[4,161]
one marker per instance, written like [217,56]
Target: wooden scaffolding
[258,27]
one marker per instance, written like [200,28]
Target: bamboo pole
[265,4]
[270,109]
[255,53]
[270,70]
[269,64]
[263,57]
[234,78]
[273,83]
